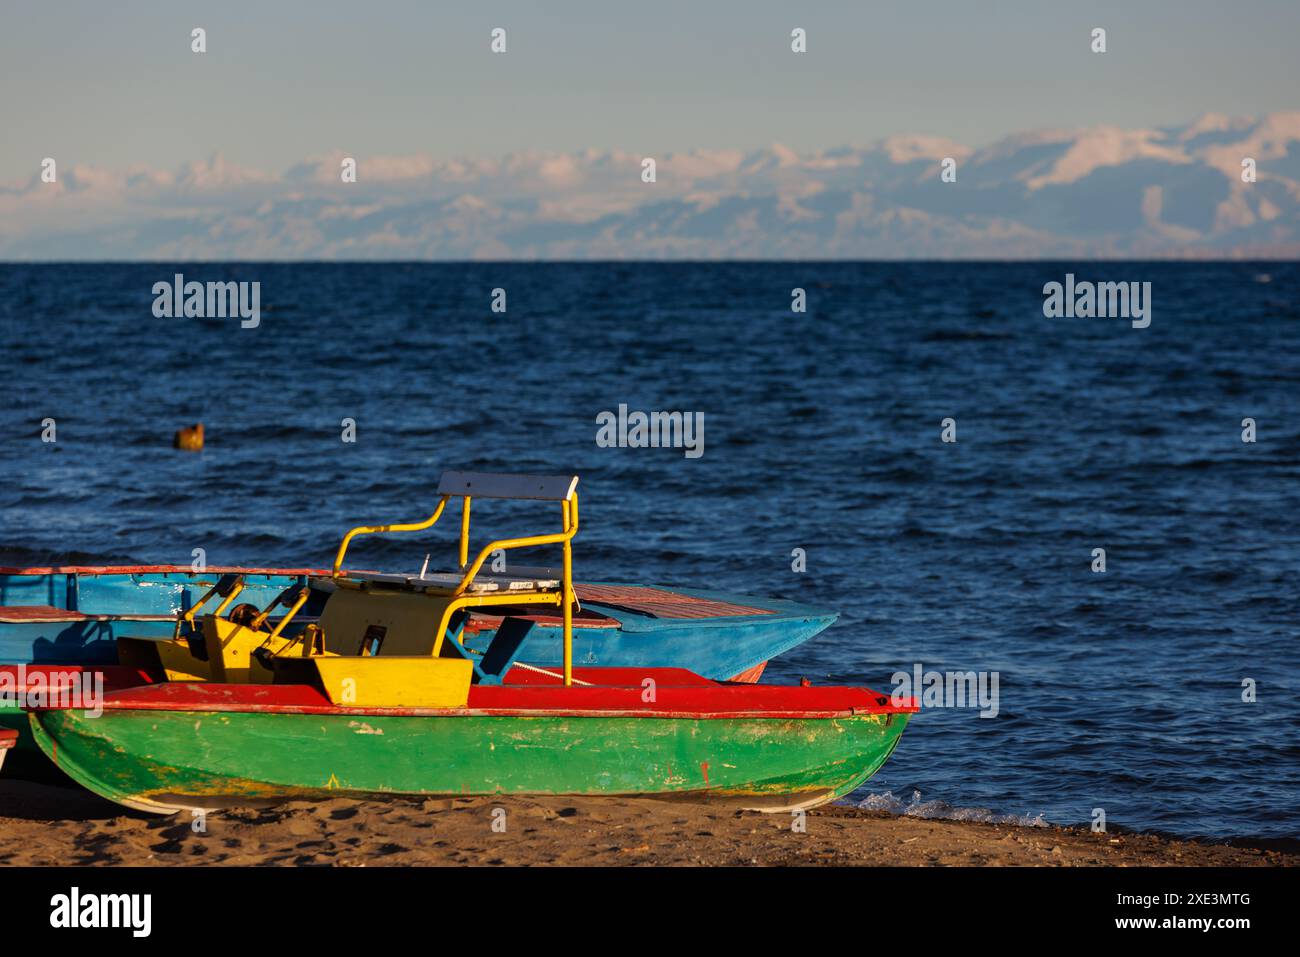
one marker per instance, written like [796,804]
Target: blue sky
[111,84]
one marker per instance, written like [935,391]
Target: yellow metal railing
[376,529]
[460,597]
[464,532]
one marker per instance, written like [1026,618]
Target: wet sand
[44,824]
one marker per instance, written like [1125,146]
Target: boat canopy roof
[546,488]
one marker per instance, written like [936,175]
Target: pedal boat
[383,696]
[172,746]
[75,614]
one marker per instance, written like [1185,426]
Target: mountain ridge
[1096,192]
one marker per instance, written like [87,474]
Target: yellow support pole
[444,621]
[188,616]
[566,586]
[464,534]
[234,593]
[297,607]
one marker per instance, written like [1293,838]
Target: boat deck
[604,692]
[663,603]
[642,601]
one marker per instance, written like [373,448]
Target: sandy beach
[45,824]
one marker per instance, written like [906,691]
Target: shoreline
[52,825]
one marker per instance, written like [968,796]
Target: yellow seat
[393,682]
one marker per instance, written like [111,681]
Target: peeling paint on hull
[164,761]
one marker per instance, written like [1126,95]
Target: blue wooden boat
[74,615]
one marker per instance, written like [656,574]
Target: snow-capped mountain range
[1096,192]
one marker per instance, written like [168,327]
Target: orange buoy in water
[190,439]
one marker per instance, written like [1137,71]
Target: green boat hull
[164,761]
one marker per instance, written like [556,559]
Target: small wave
[965,335]
[942,810]
[20,556]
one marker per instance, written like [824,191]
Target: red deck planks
[14,614]
[478,621]
[661,603]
